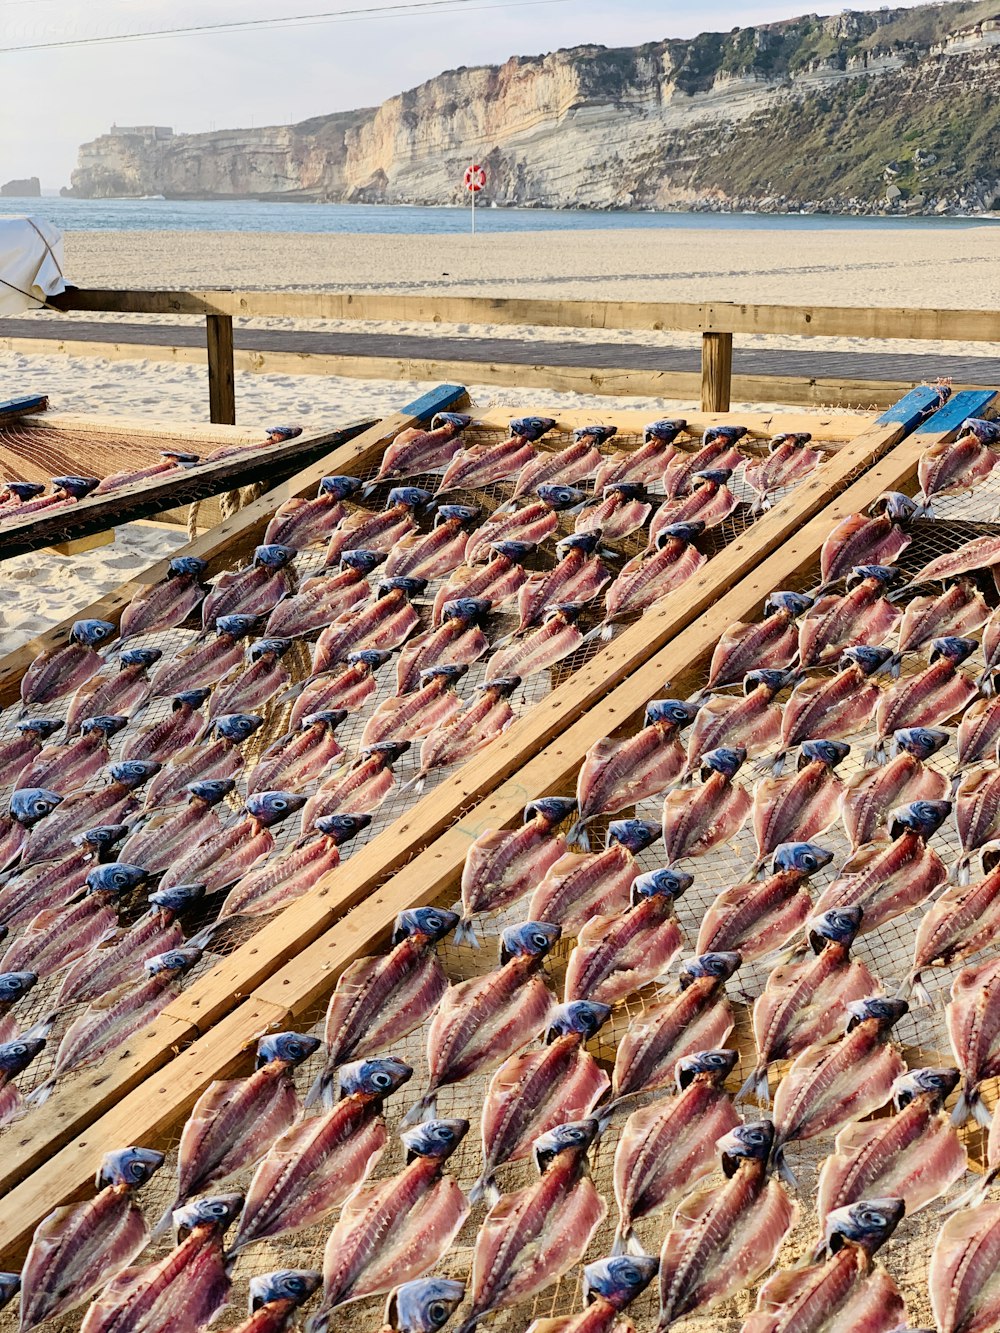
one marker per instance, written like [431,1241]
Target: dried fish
[577,577]
[497,581]
[20,750]
[155,844]
[698,818]
[609,1285]
[483,464]
[168,603]
[651,576]
[72,765]
[275,1299]
[113,692]
[349,686]
[364,530]
[385,624]
[978,732]
[358,789]
[862,614]
[298,758]
[965,1295]
[27,807]
[299,522]
[622,510]
[52,837]
[872,794]
[210,760]
[542,648]
[956,925]
[788,461]
[977,816]
[833,707]
[55,883]
[457,641]
[717,452]
[959,609]
[254,685]
[568,466]
[423,1305]
[16,1055]
[219,862]
[709,502]
[253,591]
[408,717]
[769,644]
[876,538]
[462,735]
[973,1019]
[645,464]
[577,887]
[931,697]
[433,554]
[321,600]
[173,460]
[54,674]
[172,733]
[755,918]
[530,526]
[948,467]
[751,721]
[205,662]
[803,804]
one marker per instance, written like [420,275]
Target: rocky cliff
[893,110]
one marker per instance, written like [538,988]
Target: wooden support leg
[716,371]
[221,377]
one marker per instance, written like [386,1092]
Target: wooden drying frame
[206,1031]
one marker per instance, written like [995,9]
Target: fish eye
[18,1048]
[381,1080]
[539,939]
[433,920]
[437,1312]
[809,861]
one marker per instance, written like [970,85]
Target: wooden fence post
[716,371]
[221,375]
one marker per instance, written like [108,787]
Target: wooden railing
[715,321]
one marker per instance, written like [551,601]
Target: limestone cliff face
[889,110]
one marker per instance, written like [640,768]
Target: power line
[405,9]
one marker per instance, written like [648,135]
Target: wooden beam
[303,978]
[716,371]
[15,408]
[221,374]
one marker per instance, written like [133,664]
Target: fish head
[340,486]
[923,818]
[714,476]
[372,658]
[712,1067]
[791,604]
[725,760]
[453,421]
[132,773]
[585,542]
[574,1137]
[516,552]
[177,899]
[177,456]
[502,686]
[560,498]
[407,586]
[387,751]
[210,791]
[423,1305]
[531,939]
[551,810]
[102,838]
[372,1078]
[680,532]
[271,807]
[635,835]
[274,555]
[788,437]
[281,434]
[881,574]
[580,1018]
[570,612]
[18,1054]
[131,1167]
[772,681]
[829,753]
[716,966]
[663,883]
[936,1085]
[921,742]
[275,648]
[619,1280]
[237,727]
[468,610]
[329,719]
[894,505]
[361,560]
[746,1143]
[292,1286]
[77,487]
[530,428]
[25,490]
[434,1138]
[802,858]
[868,1224]
[867,659]
[426,923]
[665,430]
[463,515]
[30,804]
[728,434]
[884,1010]
[950,648]
[139,657]
[627,490]
[14,986]
[10,1285]
[106,725]
[89,633]
[599,434]
[186,566]
[449,672]
[42,727]
[986,432]
[173,962]
[408,497]
[291,1048]
[675,714]
[216,1214]
[838,926]
[117,878]
[236,626]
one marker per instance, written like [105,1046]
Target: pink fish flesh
[618,955]
[745,646]
[963,1278]
[710,502]
[863,614]
[787,463]
[253,591]
[533,524]
[578,887]
[112,693]
[434,554]
[718,455]
[646,579]
[751,721]
[871,794]
[577,577]
[973,1018]
[699,818]
[407,717]
[348,687]
[497,581]
[861,540]
[540,649]
[296,760]
[978,732]
[803,804]
[384,624]
[886,879]
[948,467]
[616,516]
[317,603]
[60,671]
[567,466]
[467,732]
[166,604]
[483,464]
[957,924]
[959,609]
[455,642]
[172,733]
[358,789]
[253,686]
[416,450]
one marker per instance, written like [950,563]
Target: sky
[55,99]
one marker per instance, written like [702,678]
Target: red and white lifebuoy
[475,178]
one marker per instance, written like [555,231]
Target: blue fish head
[387,752]
[665,430]
[289,1286]
[340,486]
[671,713]
[531,428]
[291,1048]
[884,1010]
[77,487]
[408,497]
[192,699]
[798,438]
[274,555]
[275,648]
[467,610]
[210,791]
[986,432]
[449,672]
[714,476]
[361,560]
[550,810]
[679,532]
[867,659]
[282,434]
[14,986]
[372,658]
[635,835]
[132,773]
[186,566]
[829,753]
[140,657]
[177,899]
[574,1137]
[106,725]
[627,490]
[663,883]
[728,434]
[427,923]
[423,1305]
[717,967]
[40,727]
[237,727]
[130,1167]
[921,742]
[462,515]
[618,1280]
[434,1138]
[950,648]
[173,962]
[531,939]
[868,1224]
[579,1018]
[217,1213]
[896,506]
[502,686]
[804,858]
[560,498]
[726,761]
[16,1055]
[923,818]
[880,574]
[104,837]
[409,587]
[117,878]
[177,456]
[712,1067]
[453,422]
[329,719]
[599,434]
[376,1078]
[89,633]
[838,926]
[791,604]
[236,626]
[342,828]
[935,1085]
[772,681]
[30,804]
[585,542]
[516,552]
[569,611]
[25,490]
[746,1143]
[271,807]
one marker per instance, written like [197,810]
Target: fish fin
[967,1103]
[465,933]
[422,1110]
[782,1169]
[893,665]
[756,1086]
[40,1095]
[485,1188]
[961,872]
[321,1091]
[974,1195]
[164,1224]
[578,834]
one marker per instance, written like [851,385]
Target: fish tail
[893,665]
[425,1109]
[960,872]
[42,1093]
[756,1086]
[163,1225]
[207,935]
[986,683]
[916,990]
[924,507]
[875,757]
[485,1188]
[773,764]
[372,486]
[760,506]
[578,834]
[321,1092]
[975,1194]
[503,642]
[781,1167]
[465,933]
[318,1322]
[970,1103]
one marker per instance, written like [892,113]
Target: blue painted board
[35,402]
[911,409]
[438,399]
[966,403]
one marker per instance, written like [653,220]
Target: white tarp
[31,263]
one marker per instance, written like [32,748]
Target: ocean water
[251,216]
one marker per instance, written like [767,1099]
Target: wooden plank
[221,377]
[305,978]
[716,371]
[15,408]
[237,534]
[831,428]
[80,544]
